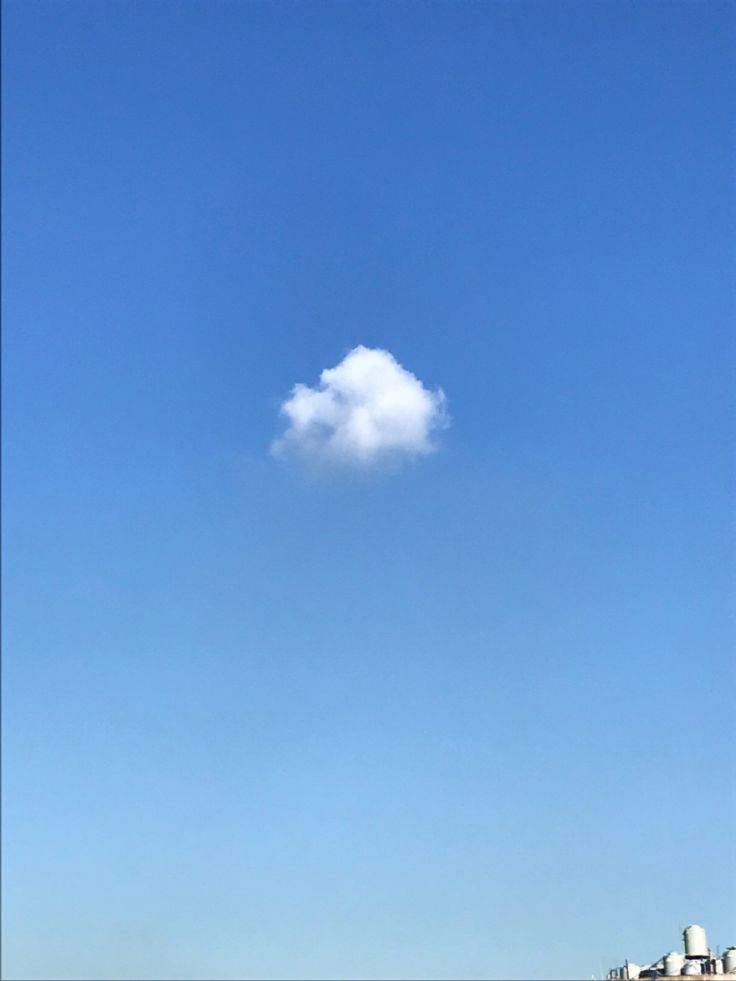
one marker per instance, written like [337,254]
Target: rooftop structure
[695,960]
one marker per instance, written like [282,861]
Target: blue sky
[471,717]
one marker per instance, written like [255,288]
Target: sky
[415,662]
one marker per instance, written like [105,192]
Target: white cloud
[366,412]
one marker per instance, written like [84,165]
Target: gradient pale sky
[472,719]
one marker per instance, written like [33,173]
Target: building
[695,960]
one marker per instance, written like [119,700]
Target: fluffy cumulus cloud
[367,411]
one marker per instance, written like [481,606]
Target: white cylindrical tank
[695,943]
[673,964]
[729,961]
